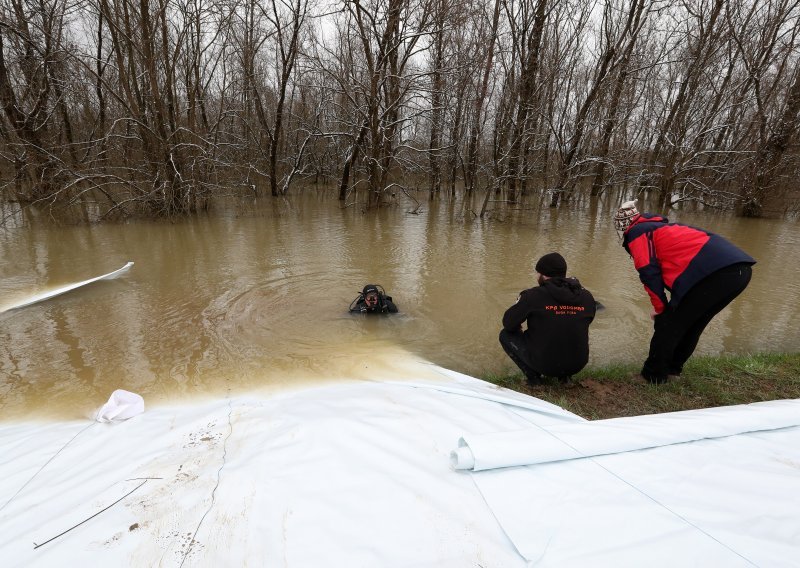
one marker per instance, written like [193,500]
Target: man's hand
[653,315]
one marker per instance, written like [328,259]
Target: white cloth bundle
[121,406]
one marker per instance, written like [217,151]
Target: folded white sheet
[566,441]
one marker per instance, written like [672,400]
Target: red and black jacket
[675,257]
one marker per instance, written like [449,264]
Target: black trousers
[513,343]
[677,331]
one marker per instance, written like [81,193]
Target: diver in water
[373,300]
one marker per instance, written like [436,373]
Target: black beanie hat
[552,265]
[370,288]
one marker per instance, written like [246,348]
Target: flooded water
[257,296]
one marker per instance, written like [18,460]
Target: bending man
[702,272]
[557,314]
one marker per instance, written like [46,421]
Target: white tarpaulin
[724,502]
[352,474]
[358,475]
[531,446]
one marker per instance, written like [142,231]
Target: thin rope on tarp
[24,485]
[89,518]
[216,484]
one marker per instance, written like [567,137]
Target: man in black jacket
[558,312]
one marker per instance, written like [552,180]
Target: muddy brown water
[257,296]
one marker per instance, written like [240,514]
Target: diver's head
[371,296]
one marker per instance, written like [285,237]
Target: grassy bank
[615,390]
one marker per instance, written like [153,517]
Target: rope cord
[216,485]
[24,485]
[89,518]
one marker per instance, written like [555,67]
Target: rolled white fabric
[602,437]
[462,458]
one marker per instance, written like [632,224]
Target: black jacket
[558,314]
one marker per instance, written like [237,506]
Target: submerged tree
[34,78]
[156,106]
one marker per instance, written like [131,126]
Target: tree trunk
[770,155]
[477,112]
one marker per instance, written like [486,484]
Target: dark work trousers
[677,331]
[513,343]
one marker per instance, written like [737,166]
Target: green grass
[614,390]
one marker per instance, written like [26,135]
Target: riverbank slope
[615,390]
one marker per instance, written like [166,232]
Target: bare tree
[616,44]
[31,47]
[156,106]
[487,63]
[388,33]
[528,76]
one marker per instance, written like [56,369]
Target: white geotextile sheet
[344,475]
[729,501]
[585,439]
[358,474]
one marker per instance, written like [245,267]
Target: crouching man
[557,314]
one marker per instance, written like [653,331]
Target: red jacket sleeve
[646,262]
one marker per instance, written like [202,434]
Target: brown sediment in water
[260,300]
